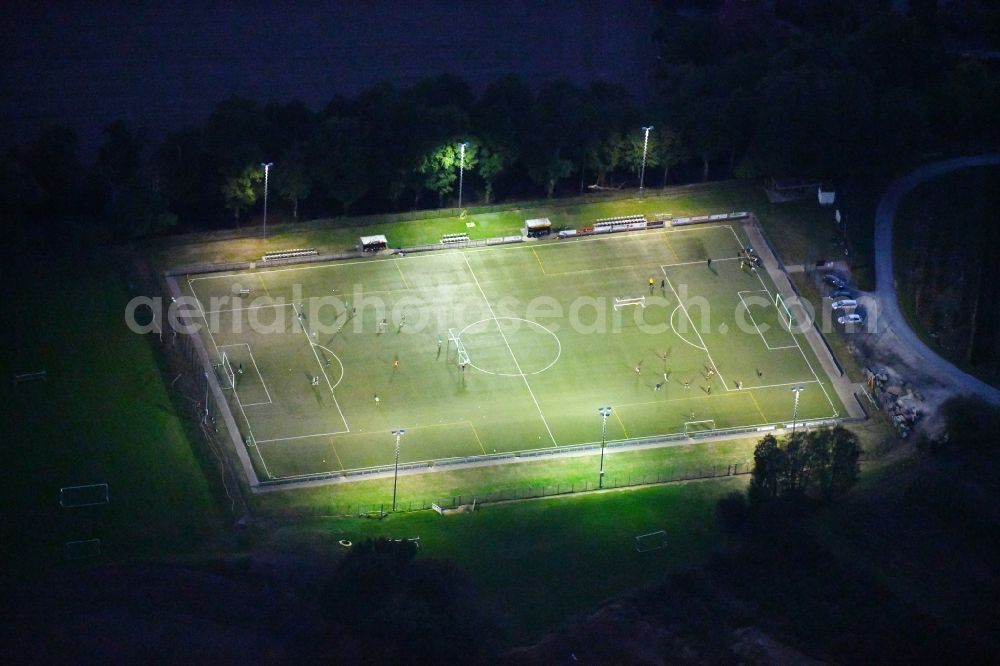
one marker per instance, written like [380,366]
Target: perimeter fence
[515,493]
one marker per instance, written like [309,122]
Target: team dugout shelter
[538,227]
[373,243]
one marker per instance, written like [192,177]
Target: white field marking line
[338,361]
[256,369]
[767,386]
[511,374]
[676,332]
[318,434]
[747,308]
[239,403]
[759,332]
[794,337]
[346,434]
[516,364]
[688,315]
[319,363]
[250,307]
[697,227]
[194,294]
[700,261]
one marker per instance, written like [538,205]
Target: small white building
[540,226]
[373,243]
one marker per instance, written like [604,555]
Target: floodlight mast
[795,408]
[645,145]
[605,412]
[267,168]
[395,475]
[461,170]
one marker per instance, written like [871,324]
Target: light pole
[645,144]
[461,170]
[395,475]
[267,168]
[795,409]
[605,412]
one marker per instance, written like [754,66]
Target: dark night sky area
[161,65]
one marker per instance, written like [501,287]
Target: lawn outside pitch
[546,348]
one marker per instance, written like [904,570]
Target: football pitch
[495,350]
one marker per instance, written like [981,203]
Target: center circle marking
[526,321]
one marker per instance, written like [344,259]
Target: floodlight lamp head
[604,411]
[647,129]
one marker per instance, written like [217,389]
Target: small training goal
[696,428]
[623,302]
[91,494]
[456,339]
[652,541]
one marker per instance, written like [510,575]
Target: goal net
[652,541]
[227,377]
[89,495]
[695,428]
[784,312]
[81,550]
[453,337]
[622,302]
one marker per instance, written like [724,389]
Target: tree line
[744,91]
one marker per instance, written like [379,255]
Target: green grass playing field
[545,342]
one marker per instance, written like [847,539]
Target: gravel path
[891,319]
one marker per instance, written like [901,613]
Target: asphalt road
[889,313]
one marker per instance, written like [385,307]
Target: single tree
[292,181]
[440,167]
[240,191]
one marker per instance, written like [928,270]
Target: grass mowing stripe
[302,319]
[695,328]
[512,355]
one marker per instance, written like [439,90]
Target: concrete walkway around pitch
[844,387]
[891,319]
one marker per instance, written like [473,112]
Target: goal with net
[227,377]
[784,312]
[463,356]
[91,494]
[695,428]
[81,550]
[652,541]
[622,302]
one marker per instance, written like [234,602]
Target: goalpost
[622,302]
[784,312]
[695,428]
[652,541]
[227,373]
[463,356]
[91,494]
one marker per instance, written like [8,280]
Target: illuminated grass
[538,372]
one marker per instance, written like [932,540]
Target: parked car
[852,318]
[835,280]
[843,293]
[845,304]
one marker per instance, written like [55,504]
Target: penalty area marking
[341,363]
[674,329]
